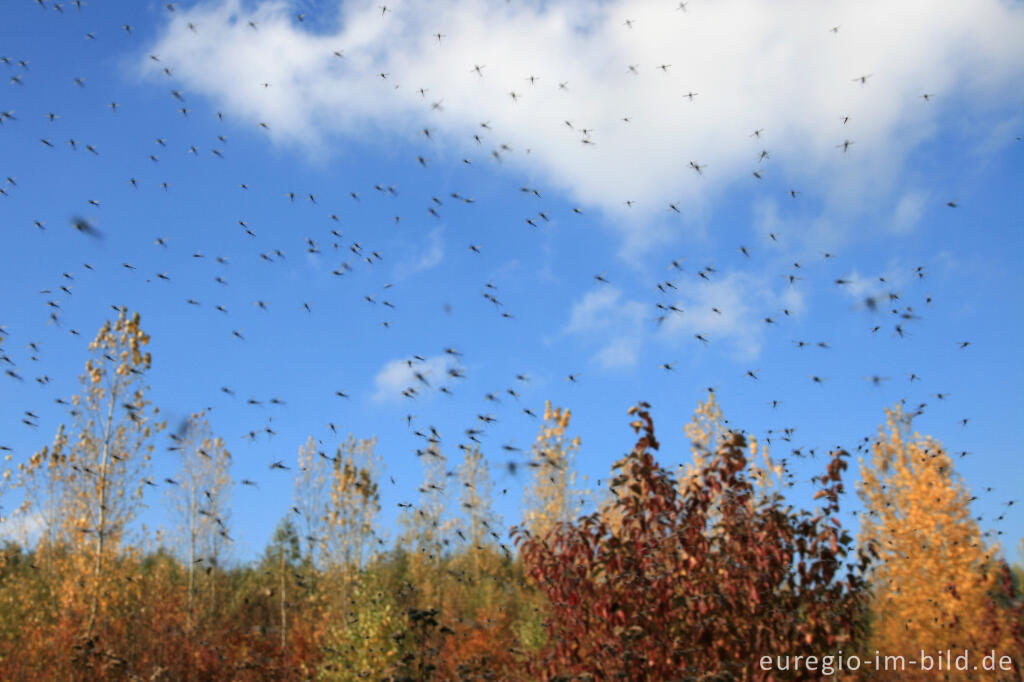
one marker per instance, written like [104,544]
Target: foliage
[354,502]
[691,576]
[311,502]
[369,640]
[549,500]
[937,584]
[695,581]
[200,498]
[89,490]
[426,531]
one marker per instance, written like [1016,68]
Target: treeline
[692,574]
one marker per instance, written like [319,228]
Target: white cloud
[603,308]
[728,309]
[753,64]
[24,527]
[731,308]
[766,218]
[603,313]
[620,352]
[397,376]
[908,212]
[875,290]
[430,257]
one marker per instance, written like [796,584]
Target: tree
[936,582]
[697,580]
[92,488]
[550,499]
[43,479]
[475,499]
[282,555]
[426,530]
[5,477]
[311,483]
[354,502]
[352,506]
[368,641]
[200,497]
[5,484]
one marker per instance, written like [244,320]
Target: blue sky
[605,133]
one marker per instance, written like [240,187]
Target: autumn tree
[936,583]
[200,498]
[311,500]
[5,477]
[479,521]
[479,606]
[693,580]
[368,640]
[5,480]
[347,519]
[552,497]
[354,501]
[280,560]
[43,478]
[426,529]
[90,482]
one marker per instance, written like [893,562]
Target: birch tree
[200,498]
[91,480]
[311,487]
[475,500]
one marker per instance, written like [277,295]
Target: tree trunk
[284,623]
[101,521]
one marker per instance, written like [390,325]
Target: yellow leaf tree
[707,430]
[90,482]
[936,584]
[354,501]
[552,498]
